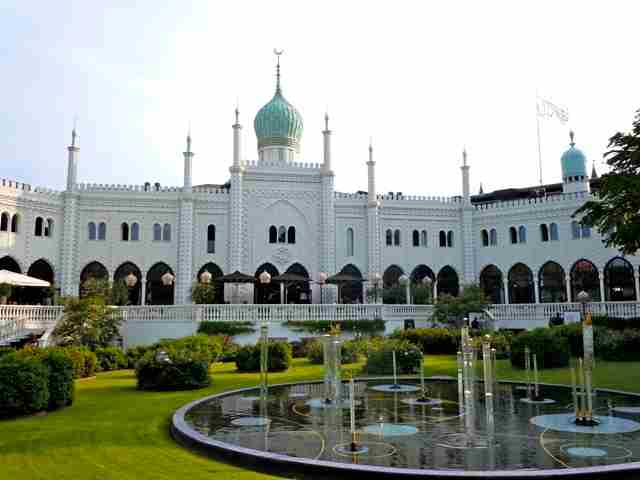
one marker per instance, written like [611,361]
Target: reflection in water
[398,433]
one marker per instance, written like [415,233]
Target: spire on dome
[464,156]
[481,191]
[74,135]
[277,54]
[326,121]
[594,174]
[571,141]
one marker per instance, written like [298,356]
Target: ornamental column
[69,244]
[536,290]
[468,250]
[601,277]
[373,220]
[327,259]
[505,281]
[185,234]
[235,204]
[567,279]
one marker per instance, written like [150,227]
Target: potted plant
[5,293]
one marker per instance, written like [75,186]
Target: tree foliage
[615,213]
[452,310]
[203,293]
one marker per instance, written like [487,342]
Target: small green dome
[278,123]
[573,162]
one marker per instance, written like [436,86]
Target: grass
[114,431]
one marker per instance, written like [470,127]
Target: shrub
[225,328]
[380,357]
[229,350]
[615,323]
[60,377]
[134,354]
[552,350]
[23,385]
[572,332]
[431,340]
[6,351]
[500,341]
[618,345]
[350,351]
[205,347]
[111,358]
[279,357]
[183,370]
[324,326]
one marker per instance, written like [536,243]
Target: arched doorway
[270,292]
[351,292]
[421,289]
[392,292]
[95,271]
[157,293]
[215,272]
[552,284]
[448,283]
[585,277]
[619,284]
[42,270]
[492,284]
[521,289]
[120,277]
[298,292]
[8,263]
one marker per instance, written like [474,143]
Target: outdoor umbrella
[236,277]
[343,278]
[19,280]
[289,278]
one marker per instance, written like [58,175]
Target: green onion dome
[278,123]
[573,161]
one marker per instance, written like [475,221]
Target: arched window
[48,228]
[102,231]
[93,270]
[521,288]
[15,223]
[442,237]
[416,238]
[513,235]
[619,284]
[349,242]
[4,222]
[447,282]
[553,232]
[157,232]
[485,238]
[493,237]
[492,284]
[211,239]
[389,237]
[134,292]
[423,239]
[124,229]
[39,226]
[282,234]
[291,235]
[92,231]
[391,277]
[586,231]
[585,277]
[166,233]
[544,233]
[396,238]
[135,232]
[158,291]
[273,234]
[450,238]
[575,230]
[552,284]
[522,234]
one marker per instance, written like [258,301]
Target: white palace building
[281,215]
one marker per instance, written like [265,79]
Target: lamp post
[375,279]
[404,281]
[265,279]
[205,277]
[322,279]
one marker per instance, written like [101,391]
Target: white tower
[235,208]
[185,235]
[466,217]
[328,250]
[69,249]
[373,220]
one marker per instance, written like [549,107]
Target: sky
[422,79]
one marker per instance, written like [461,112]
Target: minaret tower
[328,242]
[185,234]
[574,169]
[466,216]
[373,220]
[69,244]
[236,240]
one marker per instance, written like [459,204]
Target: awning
[236,277]
[342,278]
[290,278]
[19,280]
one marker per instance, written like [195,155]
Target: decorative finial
[326,121]
[189,137]
[277,53]
[481,189]
[464,156]
[594,174]
[237,115]
[370,144]
[74,135]
[571,135]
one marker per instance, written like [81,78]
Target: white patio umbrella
[19,280]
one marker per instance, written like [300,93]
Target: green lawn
[114,431]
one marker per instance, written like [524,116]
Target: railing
[15,319]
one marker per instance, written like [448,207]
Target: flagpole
[538,135]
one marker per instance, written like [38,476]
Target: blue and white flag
[547,109]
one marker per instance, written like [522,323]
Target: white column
[567,279]
[327,251]
[282,293]
[236,243]
[373,220]
[536,290]
[435,291]
[465,178]
[326,134]
[188,158]
[184,277]
[601,276]
[69,243]
[637,286]
[506,291]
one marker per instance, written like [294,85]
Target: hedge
[380,357]
[615,323]
[23,385]
[551,349]
[350,351]
[205,347]
[134,354]
[226,328]
[84,361]
[111,358]
[618,345]
[182,371]
[60,383]
[279,357]
[324,326]
[431,340]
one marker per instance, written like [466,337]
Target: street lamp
[265,279]
[205,277]
[322,279]
[167,279]
[404,281]
[375,279]
[131,280]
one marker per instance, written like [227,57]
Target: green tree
[203,293]
[452,310]
[615,212]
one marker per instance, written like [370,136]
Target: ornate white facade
[374,235]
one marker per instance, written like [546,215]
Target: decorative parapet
[264,164]
[211,191]
[100,187]
[540,202]
[400,199]
[21,188]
